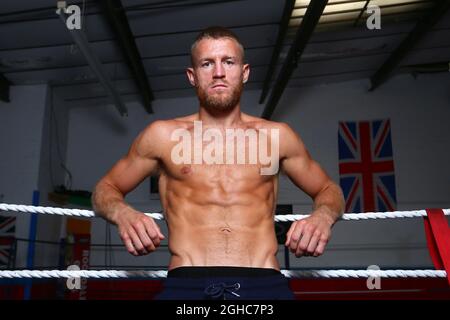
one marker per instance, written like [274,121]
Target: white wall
[28,139]
[21,124]
[418,109]
[51,174]
[98,137]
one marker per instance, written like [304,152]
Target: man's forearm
[108,202]
[330,202]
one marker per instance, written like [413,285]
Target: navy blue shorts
[225,283]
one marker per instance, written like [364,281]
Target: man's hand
[309,236]
[140,233]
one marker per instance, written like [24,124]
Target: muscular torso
[218,214]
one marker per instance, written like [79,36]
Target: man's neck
[220,119]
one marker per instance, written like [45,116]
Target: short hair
[216,32]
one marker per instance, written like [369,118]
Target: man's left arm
[309,236]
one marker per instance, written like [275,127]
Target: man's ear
[191,76]
[246,72]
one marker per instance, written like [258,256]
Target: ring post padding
[438,239]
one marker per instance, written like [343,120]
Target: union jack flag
[366,166]
[7,232]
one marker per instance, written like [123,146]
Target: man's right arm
[139,233]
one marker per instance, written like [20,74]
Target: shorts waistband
[203,272]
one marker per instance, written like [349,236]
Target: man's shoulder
[163,127]
[261,123]
[156,136]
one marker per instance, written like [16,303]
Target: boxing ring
[436,229]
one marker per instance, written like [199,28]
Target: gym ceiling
[142,46]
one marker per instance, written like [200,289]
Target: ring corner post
[437,234]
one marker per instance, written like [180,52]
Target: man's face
[218,73]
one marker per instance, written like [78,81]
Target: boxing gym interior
[364,83]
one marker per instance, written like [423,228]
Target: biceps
[128,173]
[306,174]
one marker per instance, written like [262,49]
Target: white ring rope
[159,216]
[427,273]
[100,274]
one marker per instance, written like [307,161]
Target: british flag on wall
[366,166]
[7,233]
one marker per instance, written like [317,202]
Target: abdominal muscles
[226,220]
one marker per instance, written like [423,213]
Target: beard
[220,102]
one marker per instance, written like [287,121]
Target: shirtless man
[220,215]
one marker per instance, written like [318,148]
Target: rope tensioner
[157,274]
[159,216]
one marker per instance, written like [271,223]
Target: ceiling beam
[364,8]
[4,88]
[284,25]
[304,33]
[146,35]
[94,62]
[419,31]
[119,22]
